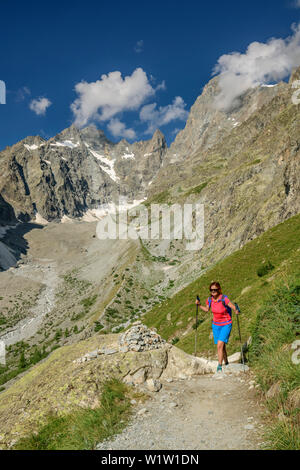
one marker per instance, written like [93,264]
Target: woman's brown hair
[218,286]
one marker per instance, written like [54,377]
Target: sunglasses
[214,290]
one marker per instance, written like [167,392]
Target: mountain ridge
[67,175]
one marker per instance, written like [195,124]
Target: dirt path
[205,412]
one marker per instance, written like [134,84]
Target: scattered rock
[273,391]
[245,290]
[294,398]
[142,411]
[236,357]
[173,404]
[139,376]
[281,416]
[109,351]
[94,354]
[153,385]
[249,427]
[237,368]
[182,377]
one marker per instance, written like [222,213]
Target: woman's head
[215,288]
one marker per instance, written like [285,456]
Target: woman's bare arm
[232,306]
[205,309]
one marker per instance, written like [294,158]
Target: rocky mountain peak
[77,170]
[295,75]
[208,124]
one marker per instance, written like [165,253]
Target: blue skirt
[221,333]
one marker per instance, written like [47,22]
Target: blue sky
[167,50]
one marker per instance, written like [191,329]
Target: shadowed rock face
[75,171]
[7,214]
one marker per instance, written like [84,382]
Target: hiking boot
[219,368]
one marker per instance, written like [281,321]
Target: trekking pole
[238,324]
[196,325]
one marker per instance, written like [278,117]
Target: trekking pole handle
[198,298]
[237,307]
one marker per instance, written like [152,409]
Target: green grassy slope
[276,328]
[84,428]
[238,275]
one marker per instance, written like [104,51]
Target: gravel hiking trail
[220,411]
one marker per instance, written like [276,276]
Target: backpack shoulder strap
[226,306]
[209,302]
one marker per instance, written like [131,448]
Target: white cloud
[176,130]
[22,93]
[139,46]
[103,99]
[118,129]
[40,105]
[261,63]
[157,117]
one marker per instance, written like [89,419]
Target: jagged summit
[207,124]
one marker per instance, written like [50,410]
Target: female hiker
[221,308]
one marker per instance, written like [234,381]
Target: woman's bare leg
[225,354]
[220,347]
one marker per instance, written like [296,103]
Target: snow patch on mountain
[92,215]
[32,147]
[66,143]
[40,220]
[128,155]
[107,165]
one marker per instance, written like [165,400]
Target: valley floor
[205,412]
